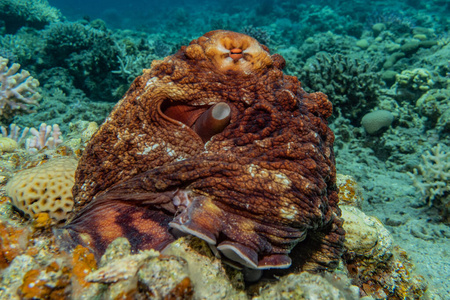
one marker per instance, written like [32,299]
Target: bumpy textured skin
[263,185]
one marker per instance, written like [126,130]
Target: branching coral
[350,84]
[49,137]
[46,136]
[17,90]
[257,33]
[432,177]
[14,133]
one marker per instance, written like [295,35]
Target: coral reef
[186,270]
[258,34]
[366,236]
[22,47]
[348,82]
[310,286]
[33,266]
[15,133]
[46,137]
[49,283]
[17,90]
[32,13]
[412,84]
[406,43]
[14,241]
[89,54]
[378,267]
[350,193]
[62,103]
[435,106]
[432,178]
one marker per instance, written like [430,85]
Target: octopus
[217,142]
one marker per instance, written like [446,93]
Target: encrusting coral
[17,90]
[372,261]
[435,105]
[7,144]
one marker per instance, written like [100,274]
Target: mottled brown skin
[255,190]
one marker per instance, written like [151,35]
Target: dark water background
[134,13]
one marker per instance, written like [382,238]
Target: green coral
[349,83]
[32,13]
[23,47]
[417,79]
[90,54]
[62,39]
[435,106]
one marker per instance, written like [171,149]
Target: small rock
[374,121]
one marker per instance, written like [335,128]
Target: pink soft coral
[46,136]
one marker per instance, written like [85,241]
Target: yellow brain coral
[46,188]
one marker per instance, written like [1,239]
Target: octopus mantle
[215,141]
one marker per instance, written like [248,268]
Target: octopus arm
[142,218]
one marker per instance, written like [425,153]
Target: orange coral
[183,290]
[33,287]
[50,283]
[13,242]
[83,263]
[42,220]
[349,191]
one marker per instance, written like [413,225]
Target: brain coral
[45,188]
